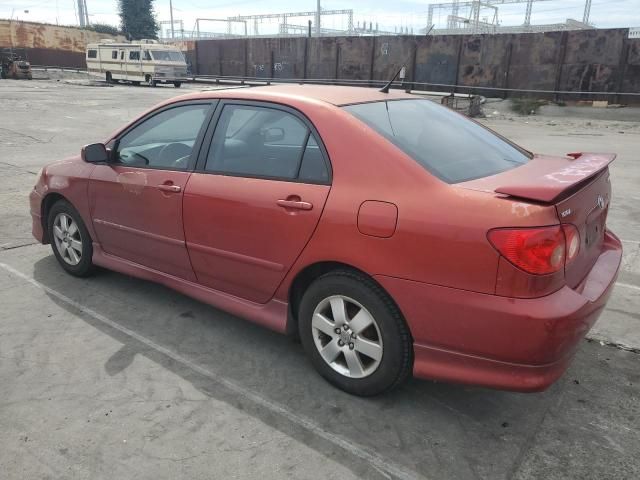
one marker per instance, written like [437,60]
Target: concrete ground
[113,377]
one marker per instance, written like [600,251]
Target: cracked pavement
[113,377]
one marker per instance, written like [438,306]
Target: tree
[138,19]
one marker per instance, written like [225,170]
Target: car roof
[335,95]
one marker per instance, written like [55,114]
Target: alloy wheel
[67,238]
[347,336]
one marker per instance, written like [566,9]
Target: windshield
[167,55]
[448,145]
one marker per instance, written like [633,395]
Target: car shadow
[435,429]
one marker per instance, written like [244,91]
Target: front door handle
[170,188]
[297,204]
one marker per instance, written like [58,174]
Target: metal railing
[405,84]
[408,85]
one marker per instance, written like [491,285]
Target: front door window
[165,140]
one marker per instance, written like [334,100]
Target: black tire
[85,267]
[397,353]
[177,84]
[108,77]
[150,81]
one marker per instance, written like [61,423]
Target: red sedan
[390,233]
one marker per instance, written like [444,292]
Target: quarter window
[92,54]
[114,54]
[164,140]
[258,142]
[313,168]
[134,55]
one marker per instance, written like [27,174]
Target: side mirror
[94,153]
[274,134]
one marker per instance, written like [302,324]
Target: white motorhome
[143,61]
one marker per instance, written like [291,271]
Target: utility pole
[82,18]
[173,33]
[318,13]
[86,13]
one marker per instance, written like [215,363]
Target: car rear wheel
[70,240]
[354,334]
[149,81]
[177,84]
[108,77]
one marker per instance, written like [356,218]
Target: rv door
[122,72]
[134,66]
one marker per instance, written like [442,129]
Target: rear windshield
[167,55]
[444,142]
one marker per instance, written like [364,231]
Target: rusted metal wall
[631,72]
[586,60]
[49,44]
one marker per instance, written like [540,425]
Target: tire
[75,258]
[108,77]
[177,84]
[149,81]
[386,340]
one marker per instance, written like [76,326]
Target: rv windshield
[167,55]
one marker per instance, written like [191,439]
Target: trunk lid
[577,186]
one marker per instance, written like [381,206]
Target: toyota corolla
[393,235]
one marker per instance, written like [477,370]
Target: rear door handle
[297,204]
[169,188]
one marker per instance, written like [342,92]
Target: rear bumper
[501,342]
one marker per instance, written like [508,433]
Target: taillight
[572,239]
[540,250]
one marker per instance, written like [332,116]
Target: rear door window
[450,146]
[257,142]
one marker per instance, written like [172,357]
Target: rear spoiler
[544,179]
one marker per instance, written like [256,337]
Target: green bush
[104,28]
[526,106]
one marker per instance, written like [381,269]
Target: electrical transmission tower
[473,24]
[587,11]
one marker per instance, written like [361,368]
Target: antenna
[400,72]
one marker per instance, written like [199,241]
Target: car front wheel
[354,334]
[70,240]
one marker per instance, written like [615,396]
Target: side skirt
[272,314]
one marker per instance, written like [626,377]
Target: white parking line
[628,285]
[376,461]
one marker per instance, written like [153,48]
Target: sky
[389,14]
